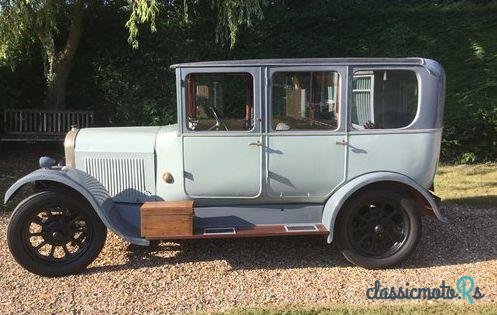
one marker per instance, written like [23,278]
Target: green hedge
[127,87]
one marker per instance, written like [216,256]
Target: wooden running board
[254,231]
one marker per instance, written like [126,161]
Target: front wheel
[53,234]
[380,227]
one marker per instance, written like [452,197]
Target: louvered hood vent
[125,179]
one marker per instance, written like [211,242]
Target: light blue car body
[118,169]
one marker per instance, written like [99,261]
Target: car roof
[303,61]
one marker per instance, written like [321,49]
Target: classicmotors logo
[465,288]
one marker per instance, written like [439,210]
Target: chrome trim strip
[392,131]
[69,147]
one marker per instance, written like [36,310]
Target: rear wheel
[54,234]
[380,227]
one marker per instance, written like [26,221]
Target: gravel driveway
[216,275]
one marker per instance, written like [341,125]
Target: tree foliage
[141,12]
[56,26]
[126,86]
[231,14]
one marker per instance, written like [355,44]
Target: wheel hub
[378,229]
[56,231]
[58,236]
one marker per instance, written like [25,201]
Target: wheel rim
[378,228]
[57,234]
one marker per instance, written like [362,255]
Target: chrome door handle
[343,142]
[257,144]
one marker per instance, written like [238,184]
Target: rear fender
[338,199]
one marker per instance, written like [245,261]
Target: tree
[40,21]
[55,26]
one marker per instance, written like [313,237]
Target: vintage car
[345,149]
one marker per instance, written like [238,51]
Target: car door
[222,152]
[306,133]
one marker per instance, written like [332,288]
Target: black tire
[62,221]
[378,228]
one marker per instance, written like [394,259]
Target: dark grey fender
[339,197]
[92,190]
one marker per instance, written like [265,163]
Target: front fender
[91,189]
[339,197]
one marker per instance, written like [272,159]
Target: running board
[252,231]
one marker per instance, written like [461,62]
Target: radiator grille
[122,177]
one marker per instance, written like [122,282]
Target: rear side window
[384,99]
[305,100]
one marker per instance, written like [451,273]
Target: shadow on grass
[469,237]
[418,308]
[483,201]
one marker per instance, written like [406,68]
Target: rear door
[305,154]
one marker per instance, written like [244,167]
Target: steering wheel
[219,121]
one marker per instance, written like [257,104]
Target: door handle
[257,144]
[343,142]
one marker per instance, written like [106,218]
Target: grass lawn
[436,308]
[467,184]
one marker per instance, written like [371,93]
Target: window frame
[256,92]
[341,99]
[354,69]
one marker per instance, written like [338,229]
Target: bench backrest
[44,122]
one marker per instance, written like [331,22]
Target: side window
[384,99]
[219,102]
[305,100]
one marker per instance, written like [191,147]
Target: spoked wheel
[378,228]
[53,234]
[57,235]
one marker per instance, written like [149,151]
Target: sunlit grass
[438,308]
[467,184]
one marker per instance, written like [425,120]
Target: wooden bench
[32,125]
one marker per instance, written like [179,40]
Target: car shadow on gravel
[469,237]
[240,254]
